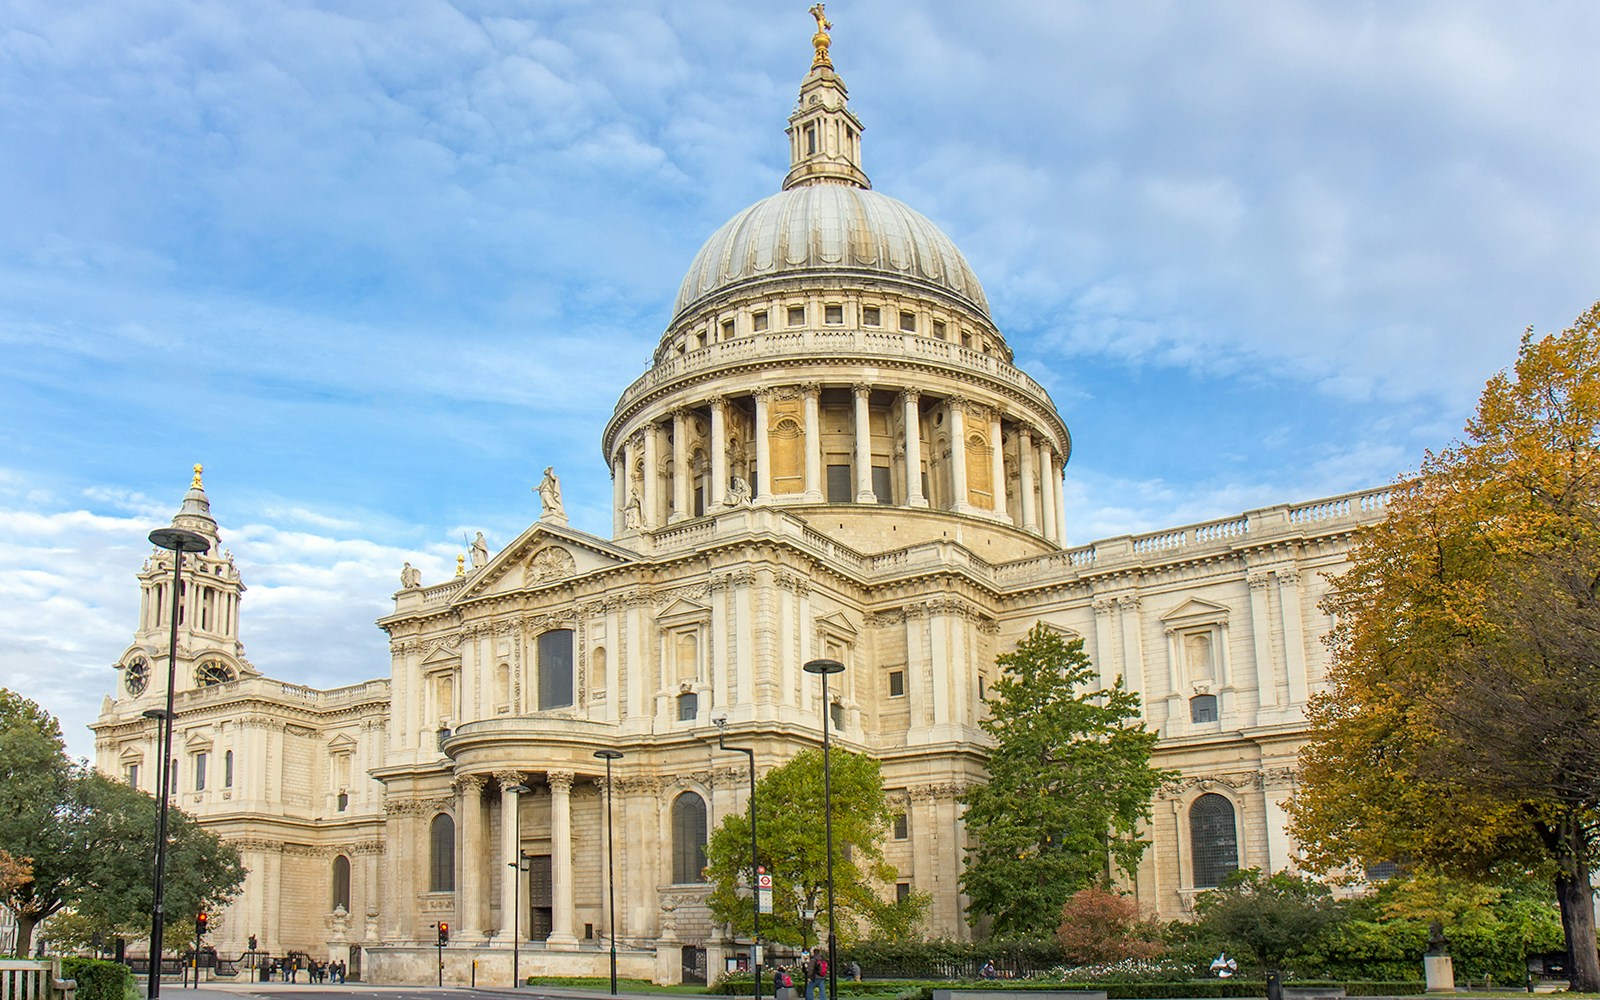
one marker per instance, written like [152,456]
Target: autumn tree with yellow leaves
[1461,727]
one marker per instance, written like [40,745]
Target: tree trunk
[25,925]
[1576,896]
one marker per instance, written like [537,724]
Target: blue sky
[376,265]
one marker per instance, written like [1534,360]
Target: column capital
[717,402]
[810,390]
[560,780]
[508,780]
[469,783]
[912,396]
[861,389]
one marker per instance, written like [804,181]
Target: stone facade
[831,456]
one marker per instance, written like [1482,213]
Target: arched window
[688,838]
[1213,839]
[555,669]
[688,706]
[341,883]
[1203,708]
[442,854]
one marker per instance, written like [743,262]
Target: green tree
[91,840]
[1270,918]
[792,847]
[1069,782]
[1460,729]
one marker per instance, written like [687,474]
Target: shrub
[99,980]
[1100,926]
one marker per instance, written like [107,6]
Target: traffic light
[444,932]
[200,922]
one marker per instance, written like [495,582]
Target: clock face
[135,676]
[212,672]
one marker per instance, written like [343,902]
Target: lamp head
[608,754]
[720,720]
[823,667]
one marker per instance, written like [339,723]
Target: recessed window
[442,854]
[133,775]
[908,322]
[227,769]
[938,329]
[797,315]
[902,891]
[341,882]
[758,321]
[688,706]
[811,140]
[555,669]
[1214,841]
[897,683]
[966,339]
[871,316]
[882,484]
[839,490]
[983,688]
[343,801]
[1203,708]
[836,710]
[833,315]
[688,838]
[902,826]
[1382,871]
[727,329]
[200,761]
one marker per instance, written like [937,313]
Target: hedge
[99,980]
[739,985]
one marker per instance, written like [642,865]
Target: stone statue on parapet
[480,552]
[410,577]
[549,490]
[738,493]
[633,512]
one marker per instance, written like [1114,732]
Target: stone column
[997,465]
[652,485]
[510,853]
[719,455]
[1061,503]
[681,473]
[619,489]
[864,491]
[763,483]
[957,408]
[1047,493]
[913,421]
[1261,633]
[810,395]
[561,935]
[1294,642]
[473,848]
[1030,511]
[630,453]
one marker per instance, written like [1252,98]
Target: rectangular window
[881,487]
[938,329]
[758,321]
[555,669]
[902,891]
[871,316]
[727,329]
[797,315]
[836,711]
[688,706]
[833,315]
[983,688]
[839,490]
[966,339]
[908,322]
[227,769]
[344,801]
[902,826]
[811,140]
[200,771]
[897,683]
[133,775]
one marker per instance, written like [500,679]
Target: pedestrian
[855,971]
[817,976]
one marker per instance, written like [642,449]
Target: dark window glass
[227,769]
[442,854]
[839,488]
[555,669]
[688,838]
[897,683]
[343,801]
[902,826]
[1213,840]
[200,771]
[880,484]
[836,711]
[688,706]
[797,315]
[902,891]
[341,882]
[833,314]
[871,316]
[1203,708]
[1382,871]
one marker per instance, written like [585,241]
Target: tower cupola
[824,135]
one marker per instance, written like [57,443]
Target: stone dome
[833,228]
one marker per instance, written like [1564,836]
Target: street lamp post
[824,668]
[516,892]
[755,862]
[611,864]
[177,541]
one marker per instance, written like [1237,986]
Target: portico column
[680,467]
[1030,511]
[652,488]
[510,853]
[763,482]
[1047,495]
[561,935]
[864,491]
[913,421]
[997,466]
[1061,503]
[470,813]
[719,454]
[810,394]
[957,408]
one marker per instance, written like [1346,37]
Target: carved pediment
[1195,611]
[342,743]
[545,554]
[197,742]
[838,624]
[443,652]
[683,612]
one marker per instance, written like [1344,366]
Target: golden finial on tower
[195,485]
[461,564]
[821,40]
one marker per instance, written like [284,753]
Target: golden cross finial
[461,564]
[820,40]
[195,485]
